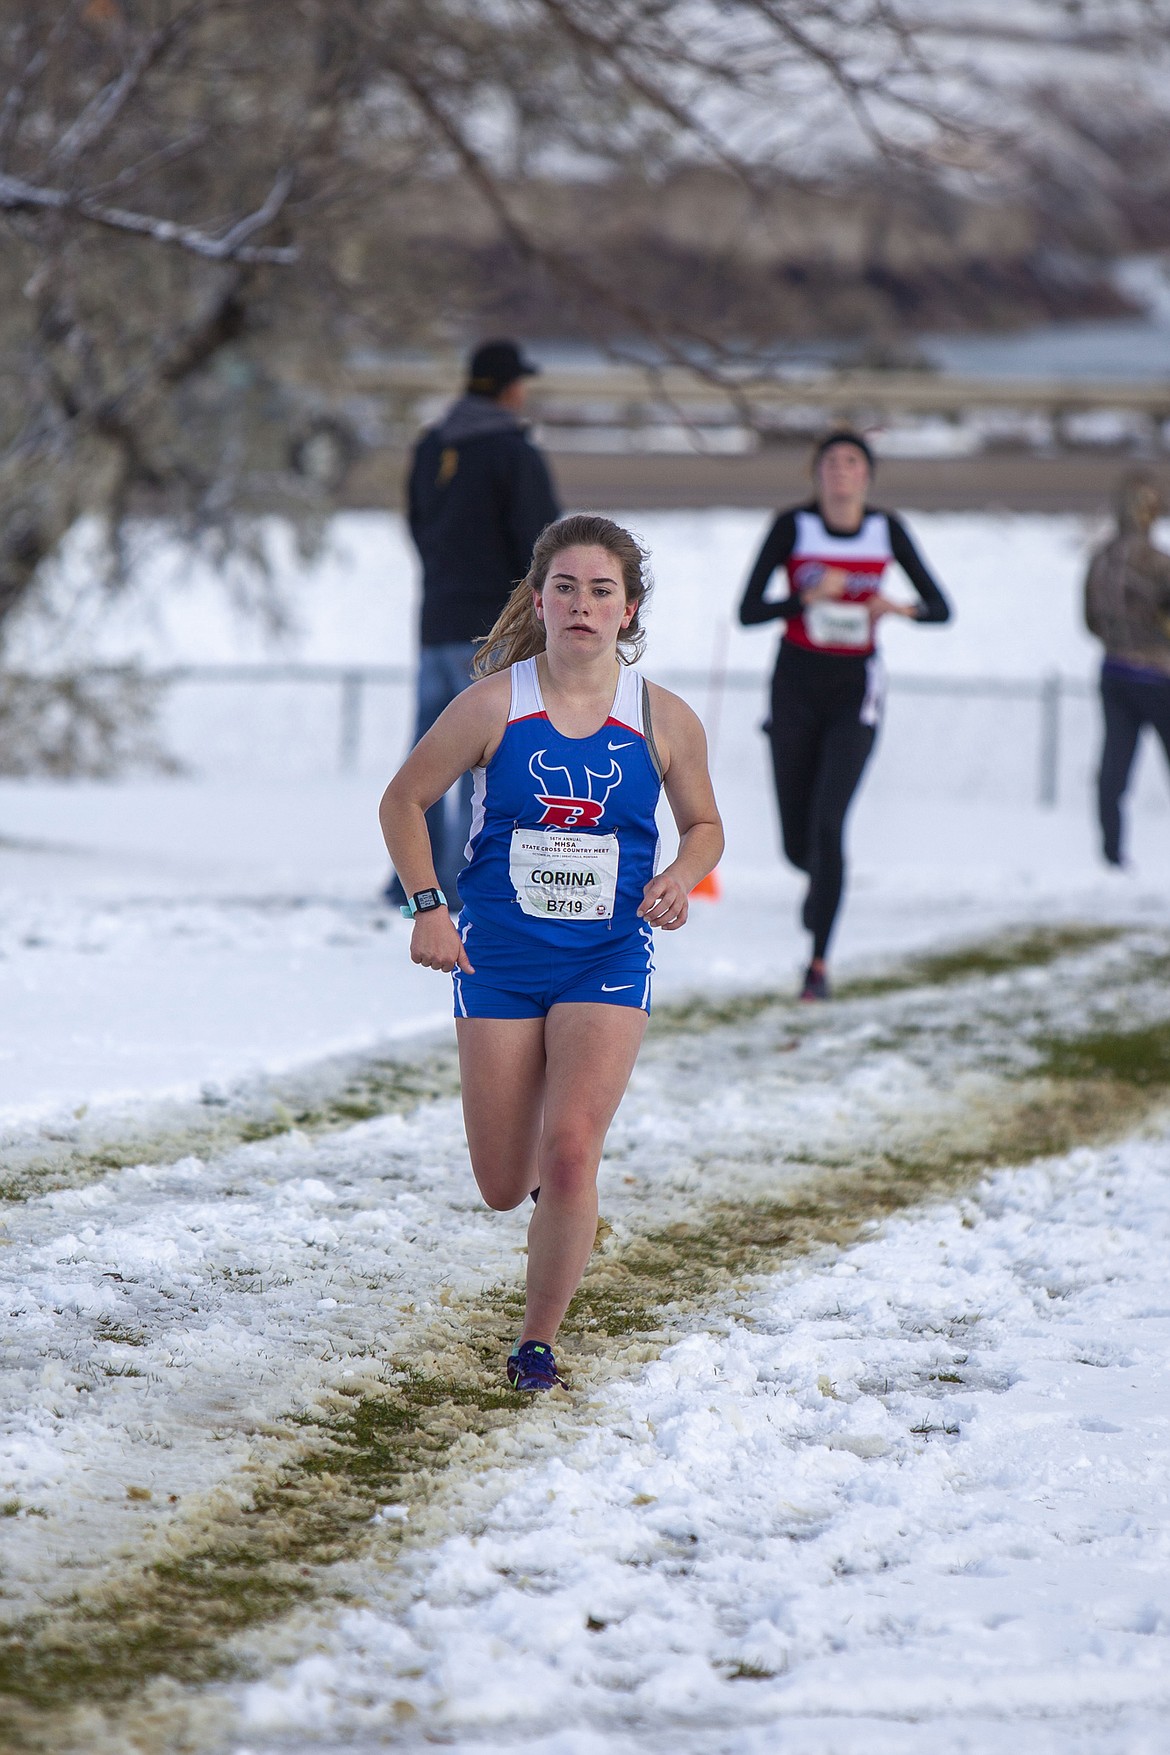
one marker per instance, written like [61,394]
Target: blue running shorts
[518,978]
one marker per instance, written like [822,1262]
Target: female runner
[569,749]
[827,685]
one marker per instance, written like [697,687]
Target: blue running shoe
[532,1366]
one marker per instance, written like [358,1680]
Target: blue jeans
[1131,699]
[443,673]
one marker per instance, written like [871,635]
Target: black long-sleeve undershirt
[781,541]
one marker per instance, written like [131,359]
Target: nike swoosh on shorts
[605,988]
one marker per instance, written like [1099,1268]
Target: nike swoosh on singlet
[621,746]
[626,989]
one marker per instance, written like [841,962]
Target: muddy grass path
[755,1132]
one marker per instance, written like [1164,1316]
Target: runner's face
[843,474]
[583,604]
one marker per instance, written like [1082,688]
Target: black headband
[843,437]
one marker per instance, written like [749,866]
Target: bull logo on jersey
[566,806]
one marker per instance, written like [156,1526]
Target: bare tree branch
[625,168]
[580,284]
[18,196]
[656,94]
[151,163]
[102,112]
[16,97]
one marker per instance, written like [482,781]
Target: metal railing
[353,683]
[350,680]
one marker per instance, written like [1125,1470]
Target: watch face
[426,900]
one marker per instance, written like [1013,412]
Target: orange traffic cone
[709,887]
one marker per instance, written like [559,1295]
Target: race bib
[567,876]
[839,624]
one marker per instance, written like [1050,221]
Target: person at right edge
[1127,606]
[827,686]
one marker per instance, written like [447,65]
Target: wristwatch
[424,902]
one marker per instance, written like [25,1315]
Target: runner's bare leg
[502,1073]
[590,1052]
[538,1097]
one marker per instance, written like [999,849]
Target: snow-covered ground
[907,1494]
[913,1499]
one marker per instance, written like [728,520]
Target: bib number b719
[563,876]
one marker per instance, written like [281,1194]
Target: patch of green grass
[686,1017]
[118,1334]
[178,1615]
[682,1267]
[1139,1058]
[378,1087]
[381,1087]
[1033,949]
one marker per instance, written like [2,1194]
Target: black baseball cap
[496,364]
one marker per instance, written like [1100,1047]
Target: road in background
[1013,481]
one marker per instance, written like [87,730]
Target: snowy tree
[205,202]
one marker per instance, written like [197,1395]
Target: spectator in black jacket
[478,496]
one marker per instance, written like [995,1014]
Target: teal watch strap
[433,899]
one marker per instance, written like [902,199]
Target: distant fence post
[1049,786]
[360,689]
[351,721]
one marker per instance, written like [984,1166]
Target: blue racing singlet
[563,832]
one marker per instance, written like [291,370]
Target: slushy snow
[914,1499]
[905,1496]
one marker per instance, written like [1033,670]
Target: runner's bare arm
[682,747]
[464,736]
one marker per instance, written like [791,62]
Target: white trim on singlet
[527,699]
[871,543]
[629,699]
[526,696]
[478,807]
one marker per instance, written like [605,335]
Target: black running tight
[820,745]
